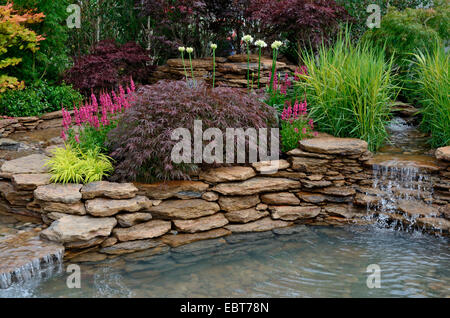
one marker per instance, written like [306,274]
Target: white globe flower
[261,43]
[189,50]
[181,49]
[213,46]
[276,45]
[247,38]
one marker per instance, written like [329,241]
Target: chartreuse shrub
[72,165]
[142,142]
[403,33]
[433,83]
[37,99]
[349,88]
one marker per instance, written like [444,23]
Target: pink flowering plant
[88,125]
[281,91]
[295,125]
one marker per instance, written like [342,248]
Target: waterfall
[41,268]
[394,184]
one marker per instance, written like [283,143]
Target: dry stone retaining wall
[324,182]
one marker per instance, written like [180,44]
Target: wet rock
[238,202]
[210,196]
[182,239]
[30,182]
[443,153]
[85,244]
[69,208]
[265,224]
[147,230]
[280,198]
[334,146]
[108,207]
[245,216]
[417,208]
[225,174]
[178,189]
[366,200]
[133,246]
[130,219]
[292,213]
[300,153]
[199,247]
[184,209]
[446,211]
[421,162]
[64,193]
[71,228]
[249,237]
[270,167]
[9,144]
[338,191]
[108,189]
[311,197]
[431,223]
[292,230]
[201,224]
[308,184]
[256,185]
[88,257]
[345,211]
[312,165]
[32,164]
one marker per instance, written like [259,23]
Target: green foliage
[433,80]
[15,40]
[92,138]
[71,165]
[403,33]
[52,58]
[292,132]
[358,10]
[349,88]
[37,99]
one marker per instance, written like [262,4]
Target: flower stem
[214,67]
[248,66]
[274,63]
[184,66]
[192,69]
[259,67]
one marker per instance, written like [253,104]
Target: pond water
[314,262]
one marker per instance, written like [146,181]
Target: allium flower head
[181,49]
[213,46]
[247,39]
[189,50]
[261,43]
[276,45]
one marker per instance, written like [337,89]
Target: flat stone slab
[280,198]
[421,162]
[270,167]
[226,174]
[443,153]
[183,239]
[108,207]
[69,208]
[108,189]
[30,182]
[438,224]
[245,216]
[235,203]
[292,213]
[130,219]
[72,228]
[265,224]
[417,208]
[179,189]
[201,224]
[132,246]
[184,209]
[25,165]
[147,230]
[256,185]
[334,146]
[64,193]
[22,256]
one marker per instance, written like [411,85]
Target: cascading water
[25,256]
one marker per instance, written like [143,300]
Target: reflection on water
[315,262]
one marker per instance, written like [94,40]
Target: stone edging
[324,182]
